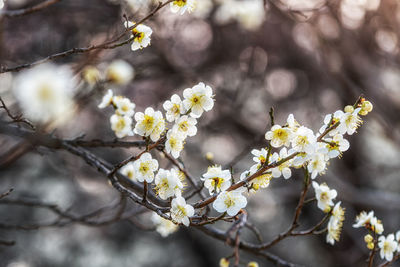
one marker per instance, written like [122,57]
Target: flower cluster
[183,113]
[121,120]
[151,125]
[388,245]
[299,147]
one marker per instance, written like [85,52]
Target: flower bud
[370,245]
[368,238]
[223,262]
[252,264]
[348,109]
[91,75]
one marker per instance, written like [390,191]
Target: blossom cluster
[151,125]
[388,245]
[298,147]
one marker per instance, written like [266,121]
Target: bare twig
[111,44]
[29,10]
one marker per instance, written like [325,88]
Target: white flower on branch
[150,123]
[163,226]
[230,202]
[124,106]
[141,35]
[369,221]
[145,167]
[174,143]
[167,184]
[335,224]
[186,126]
[388,246]
[324,196]
[180,211]
[45,93]
[198,99]
[216,179]
[121,125]
[279,136]
[107,99]
[258,182]
[304,140]
[174,108]
[283,168]
[182,6]
[336,145]
[349,122]
[119,72]
[317,164]
[129,171]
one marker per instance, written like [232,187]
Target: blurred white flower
[124,106]
[129,171]
[141,35]
[45,93]
[163,226]
[121,125]
[107,99]
[388,246]
[120,72]
[182,6]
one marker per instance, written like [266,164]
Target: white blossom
[304,140]
[324,196]
[279,136]
[197,99]
[186,126]
[182,6]
[107,99]
[388,246]
[216,179]
[261,181]
[350,121]
[141,35]
[336,145]
[150,123]
[174,108]
[317,164]
[129,171]
[283,168]
[369,221]
[167,183]
[335,224]
[145,167]
[163,226]
[124,106]
[180,211]
[121,125]
[174,143]
[45,93]
[119,72]
[230,202]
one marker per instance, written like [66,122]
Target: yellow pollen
[229,202]
[45,93]
[180,3]
[148,122]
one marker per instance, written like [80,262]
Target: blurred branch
[106,45]
[3,195]
[29,10]
[15,118]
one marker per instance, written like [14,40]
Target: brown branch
[395,258]
[29,10]
[5,194]
[15,118]
[111,44]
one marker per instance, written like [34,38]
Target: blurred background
[306,57]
